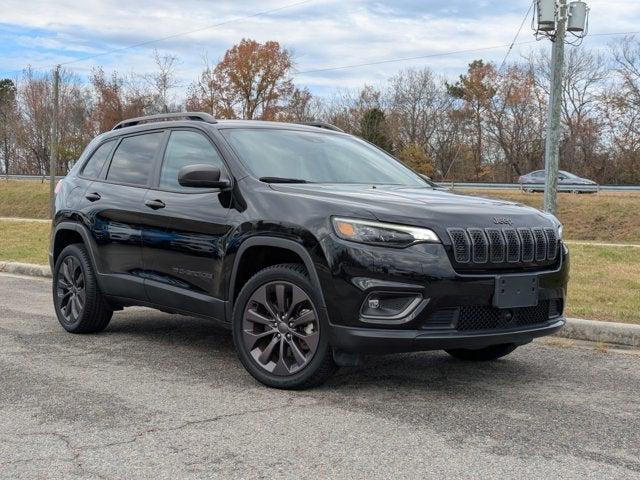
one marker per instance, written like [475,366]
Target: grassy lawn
[24,241]
[605,281]
[24,198]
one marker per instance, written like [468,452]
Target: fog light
[374,303]
[389,306]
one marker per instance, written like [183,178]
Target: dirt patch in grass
[24,198]
[24,241]
[605,216]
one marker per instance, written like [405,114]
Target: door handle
[92,197]
[155,204]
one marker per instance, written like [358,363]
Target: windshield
[316,157]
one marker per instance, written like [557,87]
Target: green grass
[24,198]
[604,285]
[24,241]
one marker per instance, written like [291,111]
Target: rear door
[114,204]
[184,230]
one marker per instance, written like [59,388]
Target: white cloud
[321,33]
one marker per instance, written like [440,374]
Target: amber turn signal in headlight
[377,233]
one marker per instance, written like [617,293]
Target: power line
[506,55]
[174,35]
[444,54]
[419,57]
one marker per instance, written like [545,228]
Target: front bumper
[357,271]
[381,341]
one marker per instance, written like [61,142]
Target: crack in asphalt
[78,450]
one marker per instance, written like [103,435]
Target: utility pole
[552,143]
[53,156]
[555,19]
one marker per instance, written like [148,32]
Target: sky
[321,34]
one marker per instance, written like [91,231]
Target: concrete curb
[605,332]
[576,328]
[26,269]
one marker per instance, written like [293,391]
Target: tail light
[58,187]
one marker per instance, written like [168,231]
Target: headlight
[555,220]
[385,234]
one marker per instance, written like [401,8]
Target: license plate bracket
[512,291]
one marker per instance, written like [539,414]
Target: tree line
[488,125]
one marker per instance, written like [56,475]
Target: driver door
[183,230]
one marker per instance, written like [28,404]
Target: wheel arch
[283,244]
[67,233]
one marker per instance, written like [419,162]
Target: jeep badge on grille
[502,221]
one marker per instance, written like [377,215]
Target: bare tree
[163,81]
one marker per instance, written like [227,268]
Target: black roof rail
[324,125]
[164,117]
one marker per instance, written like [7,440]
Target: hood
[419,206]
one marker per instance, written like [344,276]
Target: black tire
[486,354]
[268,347]
[79,304]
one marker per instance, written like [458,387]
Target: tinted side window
[133,159]
[94,166]
[186,148]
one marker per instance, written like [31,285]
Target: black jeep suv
[313,246]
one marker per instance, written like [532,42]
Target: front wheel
[486,354]
[278,330]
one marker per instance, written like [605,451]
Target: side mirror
[201,176]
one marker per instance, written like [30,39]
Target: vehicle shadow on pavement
[191,339]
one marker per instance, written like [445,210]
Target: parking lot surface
[161,396]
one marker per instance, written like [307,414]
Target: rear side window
[94,166]
[133,159]
[186,148]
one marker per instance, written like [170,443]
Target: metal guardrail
[29,177]
[517,186]
[461,185]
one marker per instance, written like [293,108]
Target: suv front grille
[476,246]
[487,317]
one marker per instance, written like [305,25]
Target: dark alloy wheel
[70,290]
[278,330]
[79,304]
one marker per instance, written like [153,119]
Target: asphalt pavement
[163,396]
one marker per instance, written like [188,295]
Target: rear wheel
[79,304]
[492,352]
[278,330]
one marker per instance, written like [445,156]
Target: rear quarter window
[133,159]
[94,166]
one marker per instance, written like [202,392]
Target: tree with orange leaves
[251,82]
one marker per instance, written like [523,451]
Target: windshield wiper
[282,180]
